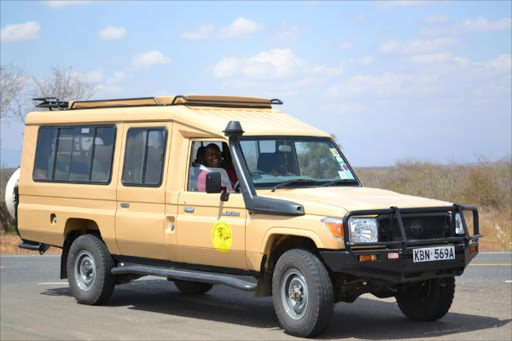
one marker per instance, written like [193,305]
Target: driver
[280,165]
[213,159]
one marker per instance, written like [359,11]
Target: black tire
[302,293]
[428,300]
[89,267]
[192,288]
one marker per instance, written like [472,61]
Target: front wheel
[428,300]
[302,293]
[89,267]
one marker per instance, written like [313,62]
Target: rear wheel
[192,288]
[302,293]
[428,300]
[89,267]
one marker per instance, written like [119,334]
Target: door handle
[125,204]
[189,209]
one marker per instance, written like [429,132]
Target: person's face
[213,157]
[283,162]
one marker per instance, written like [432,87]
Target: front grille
[417,226]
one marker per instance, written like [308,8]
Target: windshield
[296,162]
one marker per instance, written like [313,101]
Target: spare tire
[10,197]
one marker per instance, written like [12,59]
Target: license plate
[429,254]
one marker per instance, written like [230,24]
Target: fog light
[367,258]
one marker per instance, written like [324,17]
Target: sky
[392,80]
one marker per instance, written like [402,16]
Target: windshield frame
[299,184]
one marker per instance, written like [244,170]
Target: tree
[13,98]
[64,84]
[18,89]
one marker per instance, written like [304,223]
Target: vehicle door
[210,231]
[141,191]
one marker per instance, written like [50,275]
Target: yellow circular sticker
[222,236]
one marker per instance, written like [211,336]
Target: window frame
[293,137]
[58,129]
[164,151]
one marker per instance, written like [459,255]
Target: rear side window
[80,154]
[144,157]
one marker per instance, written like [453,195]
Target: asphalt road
[35,304]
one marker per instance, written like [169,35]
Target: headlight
[363,230]
[335,227]
[459,228]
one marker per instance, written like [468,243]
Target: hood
[328,200]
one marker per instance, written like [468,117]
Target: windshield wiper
[286,183]
[342,181]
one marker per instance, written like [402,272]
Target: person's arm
[201,181]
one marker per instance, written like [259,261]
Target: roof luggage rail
[120,102]
[51,103]
[201,101]
[190,100]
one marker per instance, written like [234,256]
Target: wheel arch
[74,228]
[276,244]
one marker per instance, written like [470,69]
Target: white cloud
[17,32]
[95,76]
[117,77]
[106,91]
[64,3]
[112,33]
[328,71]
[239,28]
[199,33]
[416,46]
[272,64]
[288,33]
[346,45]
[484,25]
[399,4]
[435,19]
[385,85]
[389,46]
[360,18]
[276,63]
[147,59]
[432,58]
[367,60]
[479,25]
[502,63]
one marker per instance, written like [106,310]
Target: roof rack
[201,101]
[111,103]
[51,103]
[189,100]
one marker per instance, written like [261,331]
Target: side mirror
[214,185]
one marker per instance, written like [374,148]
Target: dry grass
[9,245]
[486,185]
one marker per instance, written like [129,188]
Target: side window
[45,154]
[81,154]
[144,156]
[201,158]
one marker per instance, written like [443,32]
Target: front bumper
[393,260]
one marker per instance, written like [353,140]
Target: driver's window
[210,156]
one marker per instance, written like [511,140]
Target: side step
[27,245]
[185,275]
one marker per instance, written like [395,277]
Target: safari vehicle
[115,184]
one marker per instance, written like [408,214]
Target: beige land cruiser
[198,189]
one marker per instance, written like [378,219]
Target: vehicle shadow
[366,318]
